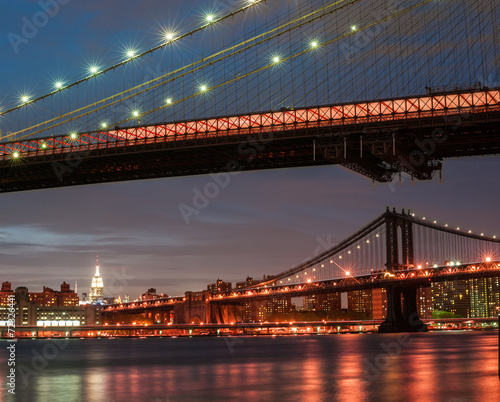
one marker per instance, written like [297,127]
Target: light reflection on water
[449,366]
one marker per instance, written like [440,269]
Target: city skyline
[262,223]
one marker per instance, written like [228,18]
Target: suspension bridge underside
[376,139]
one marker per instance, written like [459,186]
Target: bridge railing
[486,100]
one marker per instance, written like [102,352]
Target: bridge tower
[402,313]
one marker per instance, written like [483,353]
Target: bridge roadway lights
[402,314]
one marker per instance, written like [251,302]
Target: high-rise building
[424,302]
[484,297]
[453,297]
[97,287]
[379,303]
[360,301]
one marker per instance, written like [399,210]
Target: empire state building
[96,290]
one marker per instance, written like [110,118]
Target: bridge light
[25,98]
[359,246]
[168,101]
[482,234]
[93,69]
[203,88]
[276,59]
[210,18]
[435,222]
[435,266]
[309,280]
[419,267]
[15,155]
[104,124]
[470,231]
[340,257]
[74,136]
[488,259]
[348,273]
[314,44]
[130,53]
[354,28]
[135,113]
[58,85]
[349,252]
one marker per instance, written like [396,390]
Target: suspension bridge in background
[396,251]
[368,85]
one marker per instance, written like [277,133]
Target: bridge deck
[377,111]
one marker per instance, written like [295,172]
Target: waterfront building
[34,314]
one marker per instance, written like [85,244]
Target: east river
[439,366]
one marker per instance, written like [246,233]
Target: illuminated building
[150,294]
[33,314]
[424,302]
[379,304]
[360,301]
[5,293]
[97,287]
[219,287]
[248,282]
[328,302]
[261,310]
[484,297]
[49,297]
[453,297]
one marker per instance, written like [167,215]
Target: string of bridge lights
[136,114]
[210,19]
[132,53]
[348,252]
[435,222]
[244,45]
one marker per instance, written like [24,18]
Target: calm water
[449,366]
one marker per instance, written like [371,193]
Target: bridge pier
[402,313]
